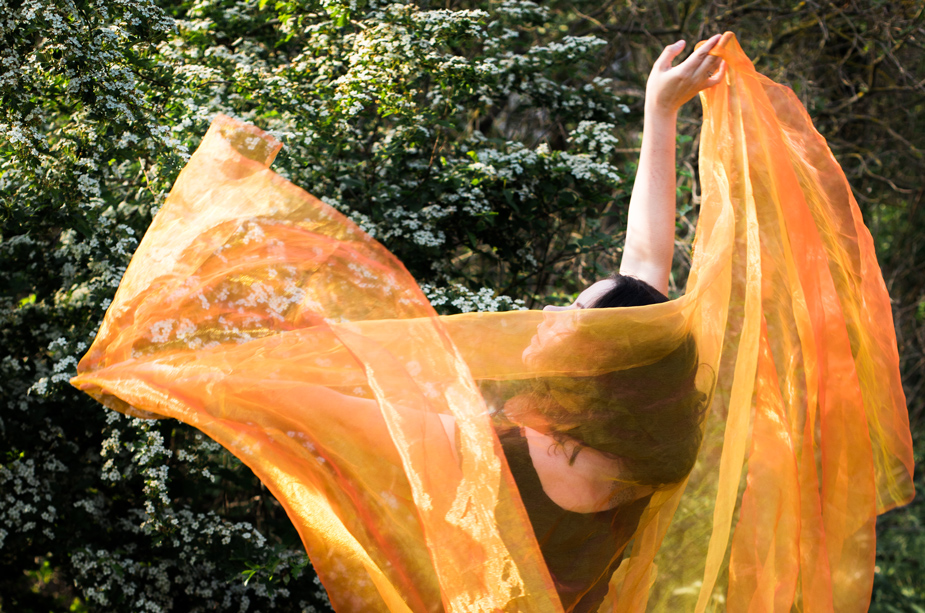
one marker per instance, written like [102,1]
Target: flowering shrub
[476,143]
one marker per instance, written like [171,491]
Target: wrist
[658,111]
[660,122]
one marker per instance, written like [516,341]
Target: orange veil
[272,323]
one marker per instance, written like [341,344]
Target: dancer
[502,461]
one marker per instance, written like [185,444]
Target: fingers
[702,53]
[717,76]
[701,64]
[707,46]
[670,87]
[668,55]
[696,59]
[708,66]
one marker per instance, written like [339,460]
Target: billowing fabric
[272,323]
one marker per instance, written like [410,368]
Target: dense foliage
[485,143]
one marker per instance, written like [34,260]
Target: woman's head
[615,291]
[623,291]
[557,334]
[647,415]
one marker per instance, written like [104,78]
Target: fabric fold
[266,319]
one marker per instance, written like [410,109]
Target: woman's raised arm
[650,228]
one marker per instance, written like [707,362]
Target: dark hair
[649,416]
[628,292]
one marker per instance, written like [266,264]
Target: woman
[588,452]
[597,497]
[254,319]
[647,255]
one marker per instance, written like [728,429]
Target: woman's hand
[669,87]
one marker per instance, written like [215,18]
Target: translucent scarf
[273,324]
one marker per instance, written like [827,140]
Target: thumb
[668,55]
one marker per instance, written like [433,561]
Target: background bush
[490,145]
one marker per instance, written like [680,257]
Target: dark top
[581,550]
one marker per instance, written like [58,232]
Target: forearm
[650,229]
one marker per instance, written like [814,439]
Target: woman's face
[555,329]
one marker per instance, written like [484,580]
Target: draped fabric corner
[272,323]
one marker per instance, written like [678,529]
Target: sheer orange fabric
[269,321]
